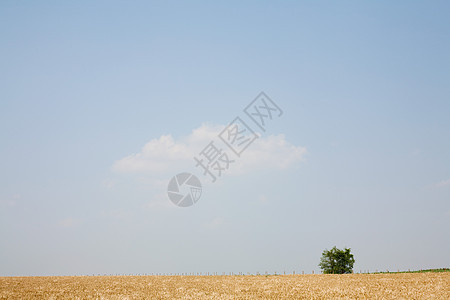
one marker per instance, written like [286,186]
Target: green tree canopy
[336,261]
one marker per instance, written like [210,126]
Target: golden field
[351,286]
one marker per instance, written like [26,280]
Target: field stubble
[351,286]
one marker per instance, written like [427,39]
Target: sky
[103,102]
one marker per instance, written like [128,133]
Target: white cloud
[262,199]
[12,201]
[118,214]
[215,223]
[69,222]
[166,154]
[415,152]
[108,183]
[272,152]
[442,183]
[159,201]
[156,156]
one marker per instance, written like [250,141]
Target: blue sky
[363,140]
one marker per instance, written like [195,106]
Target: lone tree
[336,261]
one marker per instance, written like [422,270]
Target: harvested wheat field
[352,286]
